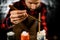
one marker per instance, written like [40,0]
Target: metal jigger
[40,34]
[10,35]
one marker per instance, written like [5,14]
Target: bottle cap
[11,33]
[24,33]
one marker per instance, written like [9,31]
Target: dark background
[54,22]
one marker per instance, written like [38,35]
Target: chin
[32,9]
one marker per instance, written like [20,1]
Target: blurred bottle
[41,35]
[24,35]
[10,35]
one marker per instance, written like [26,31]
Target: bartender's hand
[18,16]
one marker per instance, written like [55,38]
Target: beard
[37,9]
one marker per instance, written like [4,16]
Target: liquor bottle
[10,35]
[24,35]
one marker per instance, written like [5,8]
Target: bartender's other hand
[18,16]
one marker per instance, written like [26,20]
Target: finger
[18,11]
[16,19]
[21,11]
[26,15]
[13,20]
[22,15]
[13,16]
[13,12]
[16,22]
[17,16]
